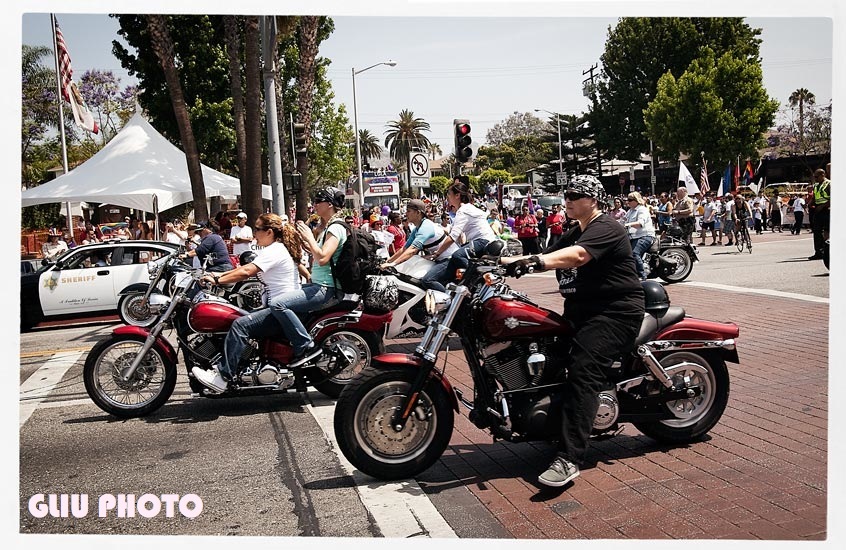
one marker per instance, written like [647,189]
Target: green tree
[717,105]
[199,44]
[440,184]
[638,52]
[494,176]
[404,136]
[369,144]
[331,159]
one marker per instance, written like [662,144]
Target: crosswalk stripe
[400,509]
[38,386]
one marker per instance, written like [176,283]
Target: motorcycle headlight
[435,301]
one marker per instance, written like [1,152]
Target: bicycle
[741,237]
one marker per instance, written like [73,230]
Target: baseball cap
[241,215]
[284,217]
[416,204]
[375,218]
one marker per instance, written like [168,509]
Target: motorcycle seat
[341,307]
[419,283]
[653,323]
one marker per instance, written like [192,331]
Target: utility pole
[590,91]
[274,158]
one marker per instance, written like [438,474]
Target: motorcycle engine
[267,375]
[516,365]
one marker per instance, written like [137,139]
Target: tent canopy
[137,165]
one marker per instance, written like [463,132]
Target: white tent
[137,169]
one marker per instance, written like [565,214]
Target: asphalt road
[265,466]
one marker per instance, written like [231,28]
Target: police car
[87,279]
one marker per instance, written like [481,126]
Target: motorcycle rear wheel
[249,295]
[683,261]
[131,312]
[695,416]
[363,424]
[360,348]
[149,389]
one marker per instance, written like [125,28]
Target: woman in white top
[470,221]
[641,231]
[275,268]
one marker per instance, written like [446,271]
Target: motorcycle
[395,418]
[134,302]
[132,372]
[670,258]
[410,318]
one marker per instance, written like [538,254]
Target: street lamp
[560,155]
[389,63]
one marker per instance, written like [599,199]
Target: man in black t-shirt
[603,302]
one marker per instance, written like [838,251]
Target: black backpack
[357,260]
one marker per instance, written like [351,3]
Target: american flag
[703,178]
[70,93]
[64,64]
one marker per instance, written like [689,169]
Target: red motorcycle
[395,418]
[132,372]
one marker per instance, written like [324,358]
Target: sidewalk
[761,473]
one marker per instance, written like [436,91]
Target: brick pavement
[760,474]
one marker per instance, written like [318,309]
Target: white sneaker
[210,379]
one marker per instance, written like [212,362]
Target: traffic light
[299,140]
[463,151]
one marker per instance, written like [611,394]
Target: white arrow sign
[418,169]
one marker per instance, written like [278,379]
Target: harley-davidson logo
[512,322]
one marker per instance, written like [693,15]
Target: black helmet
[246,257]
[656,298]
[331,195]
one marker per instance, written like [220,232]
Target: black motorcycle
[134,305]
[670,258]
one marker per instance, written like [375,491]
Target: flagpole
[61,117]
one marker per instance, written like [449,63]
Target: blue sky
[478,68]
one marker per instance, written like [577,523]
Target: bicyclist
[742,212]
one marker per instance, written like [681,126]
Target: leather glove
[526,265]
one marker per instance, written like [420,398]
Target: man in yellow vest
[822,198]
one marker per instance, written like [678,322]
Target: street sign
[653,179]
[561,179]
[418,169]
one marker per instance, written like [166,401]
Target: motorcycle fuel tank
[506,319]
[213,316]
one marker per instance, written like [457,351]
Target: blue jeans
[258,324]
[444,271]
[639,246]
[311,297]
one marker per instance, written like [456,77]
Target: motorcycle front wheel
[683,261]
[132,312]
[358,347]
[149,388]
[697,415]
[364,430]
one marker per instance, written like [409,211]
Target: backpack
[358,259]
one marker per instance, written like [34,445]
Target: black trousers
[821,224]
[597,343]
[530,245]
[797,225]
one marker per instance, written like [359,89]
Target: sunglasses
[630,199]
[262,228]
[574,196]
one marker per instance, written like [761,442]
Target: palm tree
[369,144]
[233,49]
[251,184]
[307,42]
[435,150]
[163,46]
[404,136]
[800,97]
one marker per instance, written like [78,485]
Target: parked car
[87,279]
